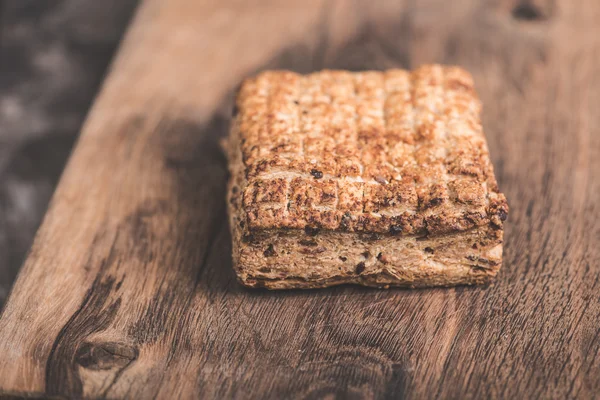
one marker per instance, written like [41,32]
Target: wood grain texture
[53,55]
[128,290]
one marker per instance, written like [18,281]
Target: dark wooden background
[128,290]
[53,56]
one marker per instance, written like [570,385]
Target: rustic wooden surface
[53,54]
[128,290]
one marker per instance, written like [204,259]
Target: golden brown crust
[373,178]
[390,152]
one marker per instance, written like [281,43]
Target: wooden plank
[128,290]
[53,55]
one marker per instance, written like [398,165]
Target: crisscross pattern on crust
[394,151]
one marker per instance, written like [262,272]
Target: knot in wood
[104,356]
[528,11]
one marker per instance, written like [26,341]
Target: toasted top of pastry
[395,152]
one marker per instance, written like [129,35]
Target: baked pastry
[373,178]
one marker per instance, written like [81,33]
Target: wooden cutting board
[128,290]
